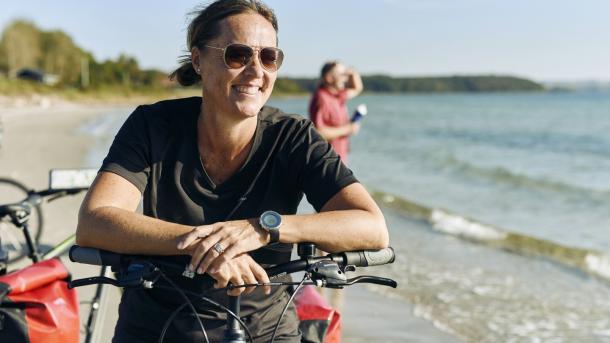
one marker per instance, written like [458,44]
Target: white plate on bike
[71,178]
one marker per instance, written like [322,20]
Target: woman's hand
[242,269]
[212,246]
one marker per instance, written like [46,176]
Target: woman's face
[337,77]
[241,92]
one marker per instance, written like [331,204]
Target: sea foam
[598,263]
[460,226]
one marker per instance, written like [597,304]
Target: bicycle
[19,211]
[62,182]
[12,191]
[136,271]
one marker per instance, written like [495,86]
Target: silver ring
[219,248]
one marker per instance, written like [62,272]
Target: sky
[545,40]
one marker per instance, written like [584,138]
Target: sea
[498,206]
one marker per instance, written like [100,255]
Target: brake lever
[92,281]
[57,196]
[372,279]
[327,274]
[134,275]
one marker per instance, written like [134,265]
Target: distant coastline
[438,84]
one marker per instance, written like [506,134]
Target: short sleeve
[318,114]
[129,154]
[319,170]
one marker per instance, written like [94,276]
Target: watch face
[271,220]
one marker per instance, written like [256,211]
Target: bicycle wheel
[12,238]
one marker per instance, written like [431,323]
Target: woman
[327,107]
[220,178]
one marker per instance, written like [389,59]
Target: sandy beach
[42,135]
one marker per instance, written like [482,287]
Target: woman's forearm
[123,231]
[333,132]
[333,231]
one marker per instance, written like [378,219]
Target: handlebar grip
[370,257]
[93,256]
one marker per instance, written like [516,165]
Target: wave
[532,141]
[502,175]
[590,261]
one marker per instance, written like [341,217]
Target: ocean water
[498,207]
[534,163]
[526,175]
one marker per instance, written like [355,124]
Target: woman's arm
[354,84]
[107,220]
[350,220]
[333,132]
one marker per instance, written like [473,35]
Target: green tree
[20,47]
[61,56]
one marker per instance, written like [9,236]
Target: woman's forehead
[339,68]
[247,28]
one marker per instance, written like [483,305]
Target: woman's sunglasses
[239,55]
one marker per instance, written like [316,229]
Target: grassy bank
[25,89]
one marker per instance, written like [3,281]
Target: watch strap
[274,235]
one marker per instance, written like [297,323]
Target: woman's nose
[255,66]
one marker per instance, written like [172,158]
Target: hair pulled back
[205,27]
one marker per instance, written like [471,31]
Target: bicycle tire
[12,191]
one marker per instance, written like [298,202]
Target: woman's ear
[195,54]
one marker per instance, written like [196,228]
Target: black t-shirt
[156,150]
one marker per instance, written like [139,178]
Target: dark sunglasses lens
[271,58]
[237,56]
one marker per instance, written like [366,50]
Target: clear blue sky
[547,40]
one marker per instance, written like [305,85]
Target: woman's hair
[326,68]
[205,27]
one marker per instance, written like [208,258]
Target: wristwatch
[271,222]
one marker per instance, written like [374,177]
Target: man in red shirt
[328,110]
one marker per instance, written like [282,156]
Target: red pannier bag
[319,323]
[36,305]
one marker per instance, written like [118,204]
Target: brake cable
[208,300]
[188,302]
[277,325]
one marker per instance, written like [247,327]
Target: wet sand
[371,317]
[43,135]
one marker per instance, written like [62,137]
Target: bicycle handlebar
[362,258]
[92,256]
[34,198]
[324,266]
[20,211]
